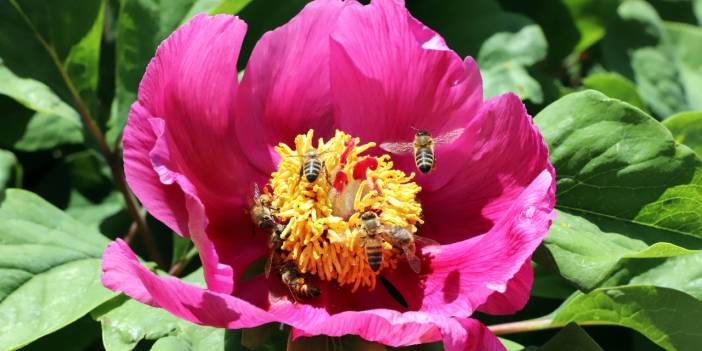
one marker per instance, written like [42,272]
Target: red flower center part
[340,209]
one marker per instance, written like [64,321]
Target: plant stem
[111,158]
[533,325]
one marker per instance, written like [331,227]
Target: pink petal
[389,72]
[515,297]
[462,276]
[191,85]
[122,272]
[498,156]
[285,89]
[402,329]
[181,155]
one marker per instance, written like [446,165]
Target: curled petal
[285,89]
[123,272]
[389,72]
[402,329]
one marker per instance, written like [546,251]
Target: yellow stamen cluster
[323,225]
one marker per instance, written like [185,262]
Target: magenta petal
[515,296]
[123,272]
[389,72]
[285,89]
[163,201]
[463,275]
[191,84]
[498,156]
[402,329]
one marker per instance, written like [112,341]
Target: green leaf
[10,170]
[126,323]
[572,338]
[71,31]
[686,41]
[625,190]
[637,46]
[52,123]
[615,86]
[511,345]
[687,129]
[81,184]
[141,26]
[503,59]
[667,317]
[49,269]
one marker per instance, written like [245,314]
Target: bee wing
[398,147]
[448,137]
[269,264]
[414,262]
[428,245]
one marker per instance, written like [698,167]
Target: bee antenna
[414,128]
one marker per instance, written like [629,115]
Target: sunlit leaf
[625,189]
[615,86]
[687,129]
[49,269]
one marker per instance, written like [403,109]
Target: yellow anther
[323,233]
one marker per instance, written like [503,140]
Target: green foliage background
[615,87]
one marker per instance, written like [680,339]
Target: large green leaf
[49,269]
[667,317]
[70,29]
[639,46]
[503,60]
[615,86]
[625,190]
[687,129]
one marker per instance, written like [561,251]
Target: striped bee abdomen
[374,255]
[424,158]
[311,169]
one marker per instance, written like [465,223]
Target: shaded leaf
[503,60]
[665,316]
[10,170]
[686,41]
[72,29]
[637,46]
[687,129]
[49,269]
[625,190]
[573,338]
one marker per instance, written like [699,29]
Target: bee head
[369,215]
[311,154]
[422,133]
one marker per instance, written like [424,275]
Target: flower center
[324,196]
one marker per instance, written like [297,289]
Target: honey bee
[297,282]
[372,240]
[312,166]
[403,238]
[261,211]
[423,147]
[274,244]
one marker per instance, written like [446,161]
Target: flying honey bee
[371,239]
[423,147]
[261,210]
[274,244]
[297,282]
[403,238]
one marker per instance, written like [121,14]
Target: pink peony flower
[196,140]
